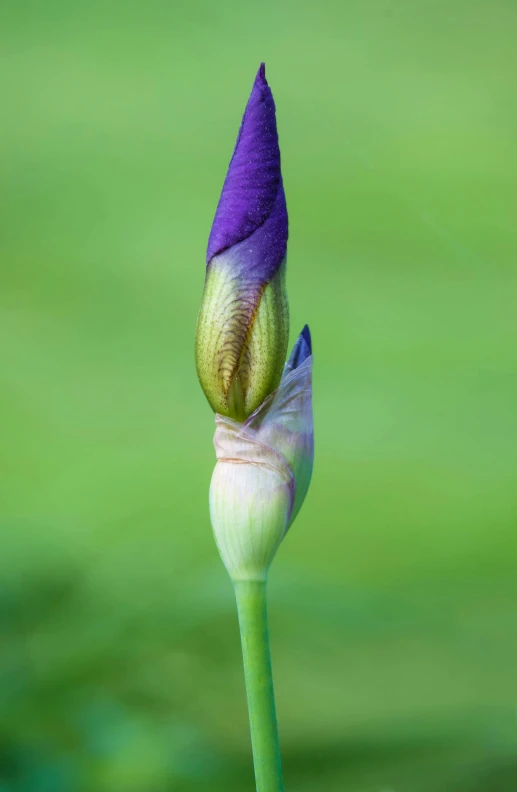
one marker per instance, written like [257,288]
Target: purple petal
[301,350]
[252,206]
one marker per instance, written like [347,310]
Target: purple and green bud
[243,324]
[263,470]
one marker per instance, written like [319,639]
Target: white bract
[263,471]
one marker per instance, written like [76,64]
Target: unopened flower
[243,325]
[263,470]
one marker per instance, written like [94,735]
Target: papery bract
[263,470]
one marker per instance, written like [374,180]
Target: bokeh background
[394,599]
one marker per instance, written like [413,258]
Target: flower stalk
[253,624]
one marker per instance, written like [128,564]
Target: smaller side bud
[263,471]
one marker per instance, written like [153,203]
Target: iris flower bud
[263,470]
[243,325]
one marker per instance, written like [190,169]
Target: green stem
[252,608]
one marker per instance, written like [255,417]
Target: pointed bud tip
[261,74]
[306,335]
[301,350]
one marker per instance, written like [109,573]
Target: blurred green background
[394,599]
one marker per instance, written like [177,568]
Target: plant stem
[252,608]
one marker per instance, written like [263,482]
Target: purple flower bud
[243,323]
[252,203]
